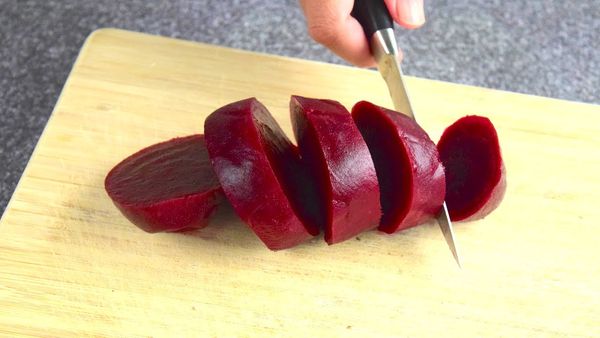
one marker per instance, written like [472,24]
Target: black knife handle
[373,15]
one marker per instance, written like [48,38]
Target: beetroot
[411,176]
[475,173]
[261,175]
[348,174]
[169,186]
[339,162]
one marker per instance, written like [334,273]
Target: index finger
[329,22]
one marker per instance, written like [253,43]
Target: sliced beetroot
[169,186]
[339,162]
[259,170]
[411,176]
[475,173]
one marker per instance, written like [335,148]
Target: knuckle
[363,63]
[323,33]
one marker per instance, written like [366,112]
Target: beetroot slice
[411,176]
[169,186]
[338,159]
[475,173]
[260,173]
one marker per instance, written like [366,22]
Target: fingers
[407,13]
[329,23]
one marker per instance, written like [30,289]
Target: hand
[330,23]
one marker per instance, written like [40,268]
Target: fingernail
[411,13]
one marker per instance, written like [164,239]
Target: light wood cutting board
[71,265]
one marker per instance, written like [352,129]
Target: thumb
[407,13]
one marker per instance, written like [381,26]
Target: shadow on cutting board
[226,227]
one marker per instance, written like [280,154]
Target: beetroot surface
[340,164]
[411,176]
[261,175]
[475,173]
[346,170]
[169,186]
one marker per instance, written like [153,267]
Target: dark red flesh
[260,172]
[475,173]
[339,162]
[411,176]
[169,186]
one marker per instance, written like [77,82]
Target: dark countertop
[543,47]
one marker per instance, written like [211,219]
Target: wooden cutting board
[71,265]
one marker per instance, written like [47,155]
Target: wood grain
[71,265]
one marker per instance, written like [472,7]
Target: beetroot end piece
[167,187]
[475,172]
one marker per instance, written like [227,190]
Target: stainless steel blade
[385,51]
[445,223]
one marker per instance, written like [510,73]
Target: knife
[377,23]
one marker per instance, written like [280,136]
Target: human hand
[330,23]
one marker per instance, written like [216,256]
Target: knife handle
[372,15]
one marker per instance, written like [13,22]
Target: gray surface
[543,47]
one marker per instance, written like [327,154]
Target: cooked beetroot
[169,186]
[475,173]
[338,159]
[411,176]
[261,175]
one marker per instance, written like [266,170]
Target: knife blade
[377,23]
